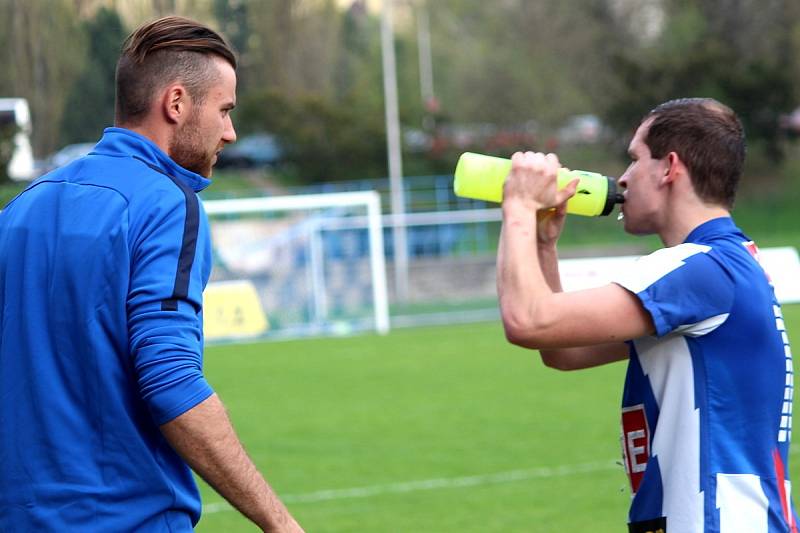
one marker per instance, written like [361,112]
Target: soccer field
[446,429]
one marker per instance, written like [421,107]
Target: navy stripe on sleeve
[188,245]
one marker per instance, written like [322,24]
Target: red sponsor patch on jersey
[751,247]
[635,444]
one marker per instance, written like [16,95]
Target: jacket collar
[715,226]
[127,143]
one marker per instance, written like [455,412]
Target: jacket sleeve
[170,259]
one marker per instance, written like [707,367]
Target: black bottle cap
[612,197]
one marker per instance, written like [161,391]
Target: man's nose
[229,134]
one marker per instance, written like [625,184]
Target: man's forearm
[548,262]
[205,438]
[521,285]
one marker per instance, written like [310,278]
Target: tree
[311,75]
[292,45]
[43,55]
[232,16]
[512,61]
[89,107]
[322,140]
[7,131]
[738,52]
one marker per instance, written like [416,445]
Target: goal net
[294,266]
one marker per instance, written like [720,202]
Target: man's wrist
[519,207]
[547,249]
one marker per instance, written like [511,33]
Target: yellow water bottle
[481,177]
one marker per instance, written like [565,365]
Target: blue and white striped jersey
[707,405]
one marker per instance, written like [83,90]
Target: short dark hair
[164,51]
[709,139]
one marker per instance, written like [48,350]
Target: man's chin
[210,167]
[202,168]
[206,170]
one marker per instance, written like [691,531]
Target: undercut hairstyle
[709,139]
[165,51]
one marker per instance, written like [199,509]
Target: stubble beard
[188,149]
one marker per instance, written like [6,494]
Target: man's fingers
[533,160]
[533,175]
[567,192]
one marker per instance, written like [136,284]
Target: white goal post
[298,223]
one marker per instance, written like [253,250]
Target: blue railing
[421,193]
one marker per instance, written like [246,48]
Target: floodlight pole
[395,160]
[425,62]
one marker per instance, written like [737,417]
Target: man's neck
[159,137]
[685,220]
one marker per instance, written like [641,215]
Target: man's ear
[673,168]
[175,104]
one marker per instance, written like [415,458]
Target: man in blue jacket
[102,268]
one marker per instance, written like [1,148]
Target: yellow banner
[231,309]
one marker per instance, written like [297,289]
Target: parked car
[581,129]
[790,123]
[258,150]
[66,155]
[480,137]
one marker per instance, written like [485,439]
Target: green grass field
[446,429]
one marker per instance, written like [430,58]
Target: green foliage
[43,54]
[323,140]
[511,62]
[233,20]
[90,103]
[696,55]
[498,63]
[7,132]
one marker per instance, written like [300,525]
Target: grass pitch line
[441,483]
[433,484]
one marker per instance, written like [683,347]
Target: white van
[16,111]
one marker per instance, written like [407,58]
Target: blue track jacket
[102,268]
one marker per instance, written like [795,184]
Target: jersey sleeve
[684,288]
[169,271]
